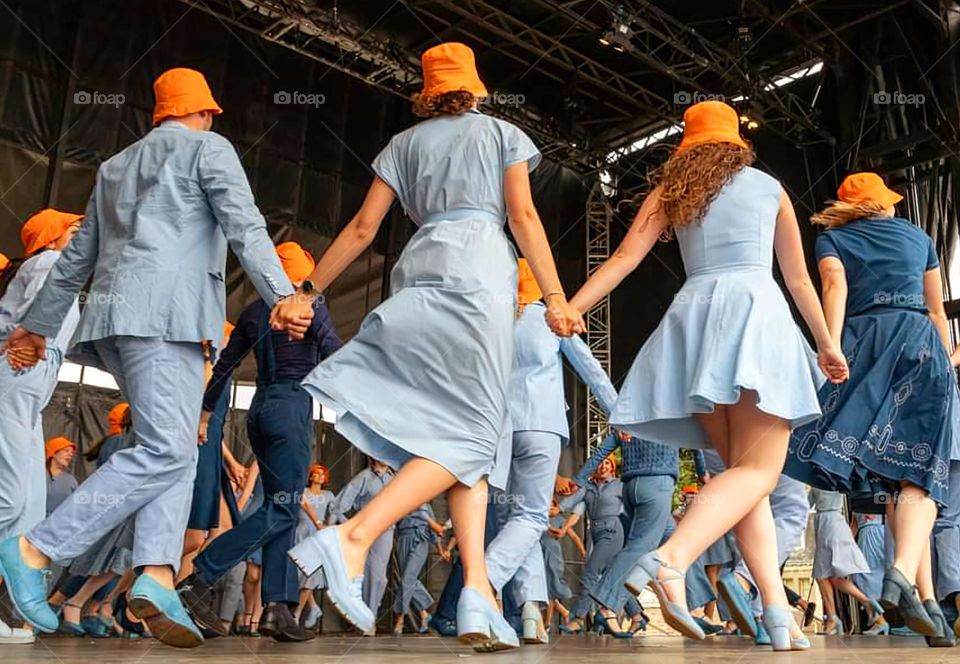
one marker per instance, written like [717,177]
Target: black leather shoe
[197,598]
[945,639]
[278,622]
[899,594]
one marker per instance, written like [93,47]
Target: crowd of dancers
[454,386]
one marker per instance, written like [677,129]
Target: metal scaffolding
[599,216]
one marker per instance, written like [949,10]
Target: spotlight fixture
[619,34]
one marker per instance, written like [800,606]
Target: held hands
[833,363]
[562,318]
[294,314]
[24,349]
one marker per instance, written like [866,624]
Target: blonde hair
[837,213]
[690,180]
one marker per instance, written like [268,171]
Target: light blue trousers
[151,481]
[413,549]
[515,552]
[375,571]
[23,480]
[946,540]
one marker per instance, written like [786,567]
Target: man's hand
[24,349]
[624,436]
[565,486]
[293,314]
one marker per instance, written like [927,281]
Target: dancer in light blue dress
[424,383]
[727,366]
[317,505]
[871,540]
[889,429]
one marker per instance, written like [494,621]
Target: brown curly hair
[455,102]
[837,213]
[690,180]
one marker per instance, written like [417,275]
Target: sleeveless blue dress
[893,419]
[728,329]
[428,372]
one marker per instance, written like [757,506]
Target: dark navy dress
[891,421]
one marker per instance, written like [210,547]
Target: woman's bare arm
[644,232]
[933,298]
[833,279]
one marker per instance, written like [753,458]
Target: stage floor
[429,650]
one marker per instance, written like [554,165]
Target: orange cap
[449,67]
[228,329]
[691,488]
[4,262]
[297,262]
[54,445]
[181,92]
[115,419]
[528,290]
[44,227]
[710,122]
[866,188]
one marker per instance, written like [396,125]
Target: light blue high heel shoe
[323,549]
[778,622]
[644,574]
[482,627]
[878,628]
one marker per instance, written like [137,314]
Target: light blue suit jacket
[155,241]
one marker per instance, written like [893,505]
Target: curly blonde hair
[837,213]
[455,102]
[690,180]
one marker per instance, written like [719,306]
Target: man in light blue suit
[154,241]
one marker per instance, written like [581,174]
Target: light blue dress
[322,504]
[728,329]
[871,538]
[427,374]
[837,554]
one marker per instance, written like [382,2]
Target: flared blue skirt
[892,421]
[427,374]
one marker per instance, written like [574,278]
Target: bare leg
[193,540]
[913,523]
[468,511]
[72,608]
[418,482]
[848,587]
[925,574]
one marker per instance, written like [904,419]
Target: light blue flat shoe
[27,587]
[323,549]
[737,600]
[778,622]
[164,613]
[481,626]
[645,574]
[71,628]
[424,627]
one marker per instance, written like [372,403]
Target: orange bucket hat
[866,188]
[296,261]
[528,290]
[45,227]
[181,92]
[115,418]
[54,445]
[449,67]
[710,122]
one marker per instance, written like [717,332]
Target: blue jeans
[647,500]
[279,426]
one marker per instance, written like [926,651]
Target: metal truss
[599,218]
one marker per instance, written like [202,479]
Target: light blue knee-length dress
[427,374]
[729,328]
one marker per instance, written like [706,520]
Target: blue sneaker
[737,600]
[164,614]
[27,587]
[323,550]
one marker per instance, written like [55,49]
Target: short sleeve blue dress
[728,329]
[428,372]
[892,421]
